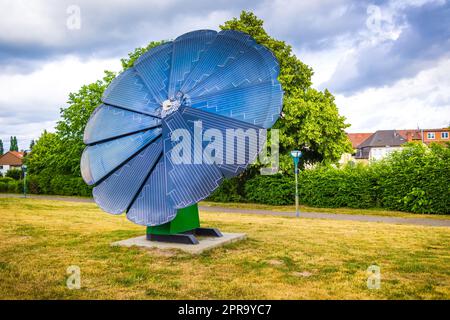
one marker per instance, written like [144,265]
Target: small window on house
[430,135]
[444,135]
[1,167]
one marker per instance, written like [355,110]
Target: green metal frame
[186,219]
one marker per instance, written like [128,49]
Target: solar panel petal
[99,160]
[108,122]
[128,91]
[116,193]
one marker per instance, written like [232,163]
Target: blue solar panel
[116,193]
[259,104]
[99,160]
[203,81]
[187,52]
[154,69]
[187,183]
[108,122]
[153,207]
[128,91]
[243,156]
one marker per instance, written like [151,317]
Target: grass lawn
[283,258]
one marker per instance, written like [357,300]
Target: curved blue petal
[188,49]
[258,104]
[128,91]
[226,47]
[107,122]
[256,65]
[153,68]
[116,193]
[153,207]
[99,160]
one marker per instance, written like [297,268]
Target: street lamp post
[24,170]
[296,154]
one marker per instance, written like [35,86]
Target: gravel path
[312,215]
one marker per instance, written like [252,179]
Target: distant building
[357,138]
[377,145]
[380,144]
[436,135]
[11,160]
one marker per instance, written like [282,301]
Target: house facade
[377,145]
[380,144]
[11,160]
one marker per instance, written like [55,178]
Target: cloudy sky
[387,62]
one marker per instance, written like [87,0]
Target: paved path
[312,215]
[337,216]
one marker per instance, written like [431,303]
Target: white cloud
[423,100]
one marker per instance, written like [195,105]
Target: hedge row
[321,187]
[11,185]
[416,179]
[65,185]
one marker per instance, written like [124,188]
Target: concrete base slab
[205,243]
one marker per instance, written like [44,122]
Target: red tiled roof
[12,158]
[358,138]
[411,134]
[18,154]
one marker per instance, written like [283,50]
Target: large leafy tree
[311,121]
[69,130]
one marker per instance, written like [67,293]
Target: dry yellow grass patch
[315,259]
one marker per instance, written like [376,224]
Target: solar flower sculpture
[204,83]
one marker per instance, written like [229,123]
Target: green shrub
[58,184]
[16,174]
[6,180]
[227,192]
[15,186]
[274,189]
[9,185]
[417,179]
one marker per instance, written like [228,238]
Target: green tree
[45,155]
[32,143]
[311,120]
[13,146]
[1,147]
[69,130]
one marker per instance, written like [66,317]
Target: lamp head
[296,154]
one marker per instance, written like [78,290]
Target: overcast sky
[386,62]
